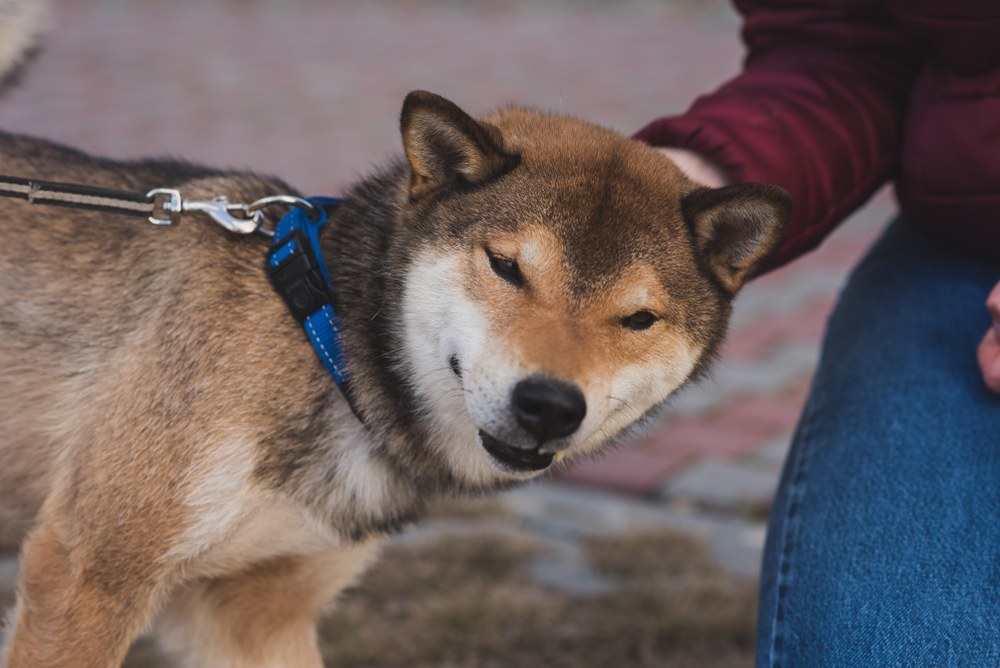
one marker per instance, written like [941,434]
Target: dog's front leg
[80,604]
[263,617]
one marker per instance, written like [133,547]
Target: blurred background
[311,90]
[668,530]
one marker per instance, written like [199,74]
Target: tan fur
[262,616]
[556,333]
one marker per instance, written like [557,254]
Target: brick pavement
[311,91]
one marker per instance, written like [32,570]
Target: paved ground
[311,91]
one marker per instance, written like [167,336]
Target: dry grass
[468,602]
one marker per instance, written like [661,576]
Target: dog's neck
[366,246]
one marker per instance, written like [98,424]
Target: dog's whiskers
[625,405]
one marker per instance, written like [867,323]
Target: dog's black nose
[548,408]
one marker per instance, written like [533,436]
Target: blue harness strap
[297,271]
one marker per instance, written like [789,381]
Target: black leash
[143,205]
[160,206]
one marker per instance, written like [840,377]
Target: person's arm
[817,110]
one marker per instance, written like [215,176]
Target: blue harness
[297,271]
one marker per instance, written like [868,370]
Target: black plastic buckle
[298,279]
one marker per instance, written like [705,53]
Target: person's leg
[884,543]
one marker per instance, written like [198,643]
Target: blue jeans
[884,542]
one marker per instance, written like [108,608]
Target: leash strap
[298,273]
[77,196]
[160,206]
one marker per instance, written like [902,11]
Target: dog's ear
[735,226]
[445,145]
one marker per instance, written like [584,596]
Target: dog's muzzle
[547,410]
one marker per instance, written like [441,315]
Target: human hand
[989,347]
[697,168]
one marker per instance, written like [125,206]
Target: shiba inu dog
[521,289]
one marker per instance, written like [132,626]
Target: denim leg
[884,542]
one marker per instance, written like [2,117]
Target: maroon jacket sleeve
[817,110]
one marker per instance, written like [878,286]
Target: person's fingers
[993,303]
[697,168]
[988,355]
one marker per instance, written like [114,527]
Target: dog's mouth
[517,459]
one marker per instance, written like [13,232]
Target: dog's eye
[506,268]
[639,320]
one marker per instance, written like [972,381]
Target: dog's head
[562,282]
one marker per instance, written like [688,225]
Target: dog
[516,291]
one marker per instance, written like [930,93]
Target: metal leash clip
[256,209]
[235,217]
